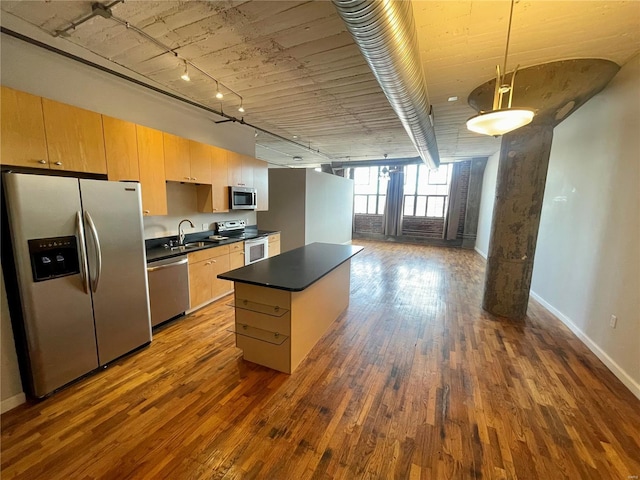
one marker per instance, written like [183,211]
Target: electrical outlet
[613,321]
[205,226]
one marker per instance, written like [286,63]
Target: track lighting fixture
[185,75]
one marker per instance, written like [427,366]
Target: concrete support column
[522,174]
[472,211]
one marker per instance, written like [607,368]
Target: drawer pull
[58,163]
[42,162]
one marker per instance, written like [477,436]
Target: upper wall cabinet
[152,175]
[22,130]
[186,160]
[121,149]
[240,169]
[177,163]
[200,156]
[220,179]
[75,141]
[214,198]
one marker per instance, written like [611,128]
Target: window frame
[420,171]
[368,196]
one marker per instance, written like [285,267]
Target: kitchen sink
[195,244]
[188,246]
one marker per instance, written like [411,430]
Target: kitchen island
[286,303]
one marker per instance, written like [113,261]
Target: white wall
[286,213]
[308,206]
[487,199]
[329,208]
[31,69]
[587,264]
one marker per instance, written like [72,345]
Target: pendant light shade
[499,121]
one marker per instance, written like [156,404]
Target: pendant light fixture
[218,92]
[241,109]
[499,120]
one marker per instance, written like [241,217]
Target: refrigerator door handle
[96,240]
[83,253]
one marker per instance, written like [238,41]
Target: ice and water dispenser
[53,257]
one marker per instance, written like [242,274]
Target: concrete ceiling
[302,77]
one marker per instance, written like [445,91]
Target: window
[370,191]
[426,191]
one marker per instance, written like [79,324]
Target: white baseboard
[483,254]
[618,371]
[12,402]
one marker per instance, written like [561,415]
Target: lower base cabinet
[274,244]
[204,267]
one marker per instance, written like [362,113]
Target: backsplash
[182,203]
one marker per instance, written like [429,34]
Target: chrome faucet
[181,233]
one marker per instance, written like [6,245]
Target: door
[117,266]
[58,320]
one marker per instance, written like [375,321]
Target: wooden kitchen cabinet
[240,169]
[152,175]
[75,141]
[214,198]
[200,159]
[177,160]
[22,130]
[274,244]
[121,149]
[186,160]
[204,267]
[236,255]
[219,179]
[234,169]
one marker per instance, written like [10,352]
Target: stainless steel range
[256,247]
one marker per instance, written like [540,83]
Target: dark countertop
[296,269]
[156,251]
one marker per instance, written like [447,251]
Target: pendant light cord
[506,50]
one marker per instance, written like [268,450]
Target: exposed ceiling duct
[386,35]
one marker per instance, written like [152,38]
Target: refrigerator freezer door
[57,313]
[119,284]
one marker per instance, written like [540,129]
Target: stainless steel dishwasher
[168,288]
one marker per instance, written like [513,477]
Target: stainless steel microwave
[243,198]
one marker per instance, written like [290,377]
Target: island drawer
[280,325]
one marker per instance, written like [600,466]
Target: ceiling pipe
[385,32]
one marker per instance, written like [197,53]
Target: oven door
[256,250]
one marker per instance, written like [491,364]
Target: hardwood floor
[415,381]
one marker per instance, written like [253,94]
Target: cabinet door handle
[58,163]
[145,211]
[187,178]
[42,162]
[193,178]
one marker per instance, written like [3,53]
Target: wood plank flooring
[414,381]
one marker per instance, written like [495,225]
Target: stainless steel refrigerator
[80,263]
